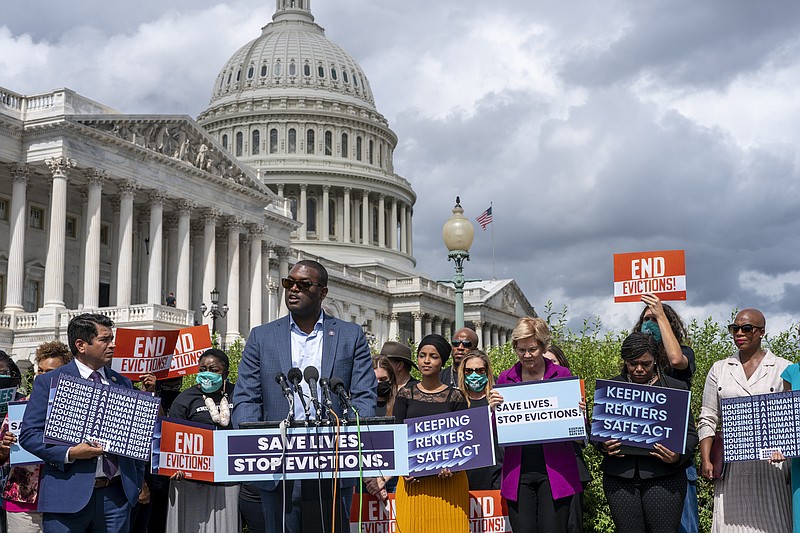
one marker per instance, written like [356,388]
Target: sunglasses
[746,328]
[465,344]
[302,284]
[468,371]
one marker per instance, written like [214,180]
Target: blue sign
[755,426]
[310,453]
[640,415]
[19,455]
[461,440]
[540,411]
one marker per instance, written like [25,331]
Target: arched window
[344,144]
[328,143]
[293,206]
[369,152]
[332,218]
[311,214]
[380,154]
[306,70]
[309,141]
[255,145]
[277,70]
[344,76]
[292,69]
[333,74]
[321,71]
[358,147]
[238,75]
[250,72]
[292,141]
[273,141]
[263,70]
[225,141]
[375,224]
[355,79]
[239,144]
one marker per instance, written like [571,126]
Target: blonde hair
[381,361]
[528,327]
[462,385]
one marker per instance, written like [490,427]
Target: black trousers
[646,506]
[535,509]
[307,507]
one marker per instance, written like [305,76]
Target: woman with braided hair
[646,492]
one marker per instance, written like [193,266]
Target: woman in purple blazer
[538,480]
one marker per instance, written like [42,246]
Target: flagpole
[494,273]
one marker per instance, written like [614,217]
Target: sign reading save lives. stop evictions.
[540,411]
[167,354]
[661,273]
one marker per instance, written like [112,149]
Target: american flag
[485,218]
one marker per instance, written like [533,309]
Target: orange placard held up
[141,351]
[661,273]
[186,448]
[191,344]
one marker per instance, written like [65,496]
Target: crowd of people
[81,488]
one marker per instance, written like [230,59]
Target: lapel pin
[331,333]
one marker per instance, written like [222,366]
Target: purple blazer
[559,457]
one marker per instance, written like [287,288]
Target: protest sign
[540,411]
[19,455]
[312,452]
[487,512]
[640,415]
[180,445]
[118,418]
[461,440]
[661,273]
[141,351]
[6,396]
[755,426]
[191,344]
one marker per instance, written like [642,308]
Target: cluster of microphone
[291,385]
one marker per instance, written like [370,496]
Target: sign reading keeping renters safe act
[661,273]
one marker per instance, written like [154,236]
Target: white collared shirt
[306,351]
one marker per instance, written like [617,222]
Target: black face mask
[384,389]
[7,382]
[167,397]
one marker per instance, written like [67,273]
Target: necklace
[220,415]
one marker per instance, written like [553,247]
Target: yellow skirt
[433,504]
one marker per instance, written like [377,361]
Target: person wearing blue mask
[197,505]
[677,361]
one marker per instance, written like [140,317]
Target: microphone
[280,379]
[337,386]
[311,375]
[295,377]
[325,385]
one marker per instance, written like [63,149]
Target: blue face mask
[476,382]
[209,381]
[651,328]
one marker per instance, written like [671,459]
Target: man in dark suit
[306,337]
[82,489]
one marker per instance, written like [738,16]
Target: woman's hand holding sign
[665,454]
[612,448]
[495,399]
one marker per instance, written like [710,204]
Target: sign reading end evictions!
[661,273]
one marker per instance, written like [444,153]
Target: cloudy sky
[593,127]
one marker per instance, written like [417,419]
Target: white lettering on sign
[652,267]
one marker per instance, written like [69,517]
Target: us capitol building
[111,212]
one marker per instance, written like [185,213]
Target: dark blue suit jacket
[67,487]
[345,354]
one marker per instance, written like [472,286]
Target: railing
[136,313]
[27,321]
[5,320]
[11,99]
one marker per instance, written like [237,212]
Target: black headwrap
[438,342]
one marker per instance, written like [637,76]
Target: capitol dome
[298,108]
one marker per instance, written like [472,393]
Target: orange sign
[141,351]
[661,273]
[191,344]
[186,448]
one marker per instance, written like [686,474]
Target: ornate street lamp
[457,234]
[214,312]
[367,333]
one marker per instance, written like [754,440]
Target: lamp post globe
[457,235]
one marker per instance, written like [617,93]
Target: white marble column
[486,336]
[326,213]
[256,276]
[394,327]
[125,262]
[232,332]
[403,233]
[427,324]
[346,225]
[495,336]
[382,220]
[418,334]
[503,338]
[210,254]
[91,271]
[437,325]
[54,268]
[302,213]
[393,225]
[154,269]
[272,300]
[16,239]
[182,285]
[366,232]
[481,339]
[283,271]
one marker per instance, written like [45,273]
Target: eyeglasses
[465,344]
[746,328]
[481,371]
[649,319]
[531,351]
[302,284]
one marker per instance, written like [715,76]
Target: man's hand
[148,382]
[144,494]
[84,451]
[377,487]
